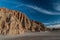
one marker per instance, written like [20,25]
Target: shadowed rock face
[14,22]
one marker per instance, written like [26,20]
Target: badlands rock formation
[13,22]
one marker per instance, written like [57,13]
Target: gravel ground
[34,36]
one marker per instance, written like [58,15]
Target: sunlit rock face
[14,22]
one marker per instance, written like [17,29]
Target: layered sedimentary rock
[13,22]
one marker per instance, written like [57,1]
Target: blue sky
[45,11]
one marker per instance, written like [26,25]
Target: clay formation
[13,22]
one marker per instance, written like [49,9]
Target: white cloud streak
[39,9]
[54,26]
[35,8]
[43,10]
[56,6]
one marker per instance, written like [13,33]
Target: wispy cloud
[54,26]
[56,6]
[43,10]
[39,9]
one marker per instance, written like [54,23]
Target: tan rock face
[14,22]
[37,26]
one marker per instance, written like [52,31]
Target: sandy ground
[34,36]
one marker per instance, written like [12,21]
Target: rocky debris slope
[13,22]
